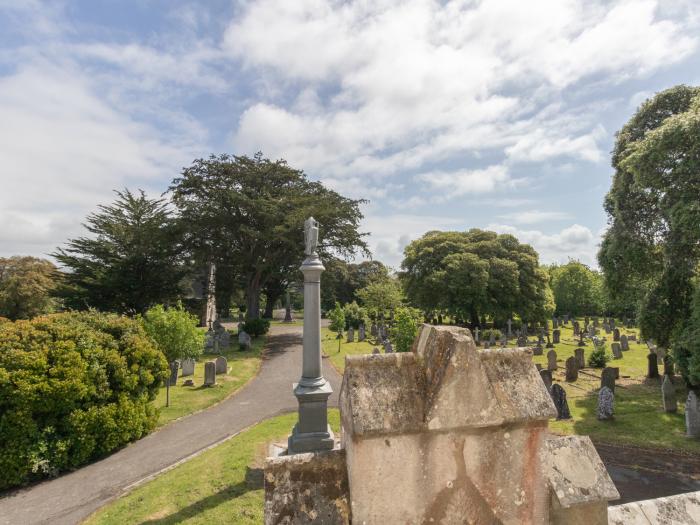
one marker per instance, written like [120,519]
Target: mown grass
[221,486]
[329,345]
[185,400]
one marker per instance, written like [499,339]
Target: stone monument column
[312,432]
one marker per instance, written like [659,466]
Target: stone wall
[683,509]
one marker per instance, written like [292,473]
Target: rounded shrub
[73,387]
[256,327]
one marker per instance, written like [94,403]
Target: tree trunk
[253,298]
[271,300]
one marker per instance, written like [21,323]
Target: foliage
[598,357]
[355,315]
[337,317]
[73,387]
[651,251]
[475,273]
[131,260]
[486,334]
[381,295]
[577,289]
[256,327]
[250,212]
[404,330]
[686,348]
[26,285]
[342,281]
[175,332]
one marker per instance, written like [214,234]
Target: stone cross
[606,404]
[312,432]
[668,395]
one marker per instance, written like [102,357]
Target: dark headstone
[537,350]
[607,378]
[616,350]
[577,328]
[653,368]
[580,358]
[209,373]
[559,398]
[624,343]
[668,366]
[188,382]
[556,335]
[571,369]
[668,395]
[616,334]
[221,365]
[551,360]
[174,369]
[546,376]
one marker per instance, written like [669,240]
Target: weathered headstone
[221,365]
[632,337]
[551,360]
[522,341]
[607,329]
[653,366]
[477,340]
[361,333]
[174,369]
[580,358]
[559,397]
[374,330]
[546,376]
[616,350]
[188,367]
[209,373]
[692,415]
[624,343]
[556,336]
[616,334]
[351,335]
[509,323]
[577,328]
[209,341]
[537,350]
[388,349]
[549,342]
[376,350]
[492,338]
[244,340]
[571,369]
[606,404]
[607,378]
[668,366]
[668,395]
[581,342]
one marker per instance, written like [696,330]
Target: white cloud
[535,216]
[464,182]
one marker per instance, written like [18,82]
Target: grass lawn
[185,400]
[223,485]
[329,345]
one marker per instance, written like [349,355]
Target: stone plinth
[307,488]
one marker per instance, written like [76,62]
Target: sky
[444,115]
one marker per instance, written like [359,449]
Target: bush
[175,332]
[256,327]
[486,334]
[405,329]
[73,387]
[355,315]
[598,357]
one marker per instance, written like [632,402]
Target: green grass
[223,485]
[185,400]
[329,345]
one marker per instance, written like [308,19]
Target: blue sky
[444,115]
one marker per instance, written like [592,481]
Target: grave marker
[551,360]
[221,365]
[209,373]
[571,369]
[692,415]
[559,397]
[653,367]
[606,404]
[607,378]
[668,395]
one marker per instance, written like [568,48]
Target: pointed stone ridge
[446,383]
[580,485]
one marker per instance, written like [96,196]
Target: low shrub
[405,329]
[486,334]
[256,327]
[599,357]
[73,387]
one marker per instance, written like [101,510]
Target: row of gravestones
[388,348]
[218,337]
[211,369]
[361,334]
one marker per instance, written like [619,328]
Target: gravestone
[209,373]
[591,330]
[607,378]
[632,337]
[549,342]
[559,397]
[188,382]
[540,338]
[388,349]
[571,369]
[188,367]
[616,334]
[668,366]
[487,345]
[509,323]
[581,342]
[555,323]
[653,367]
[537,350]
[439,317]
[174,369]
[351,335]
[546,376]
[477,340]
[361,333]
[492,338]
[373,330]
[624,343]
[209,341]
[221,365]
[566,319]
[595,322]
[616,350]
[577,328]
[556,335]
[580,358]
[607,329]
[522,341]
[692,415]
[376,350]
[244,340]
[551,360]
[668,395]
[606,404]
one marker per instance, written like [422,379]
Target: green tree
[577,289]
[405,329]
[476,273]
[337,317]
[381,295]
[651,251]
[26,287]
[131,261]
[251,211]
[175,332]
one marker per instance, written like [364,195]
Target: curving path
[72,497]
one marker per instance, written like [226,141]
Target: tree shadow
[253,481]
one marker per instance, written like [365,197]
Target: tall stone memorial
[312,431]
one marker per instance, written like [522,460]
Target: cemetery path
[72,497]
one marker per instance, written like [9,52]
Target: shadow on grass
[253,481]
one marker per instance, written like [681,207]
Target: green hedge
[73,387]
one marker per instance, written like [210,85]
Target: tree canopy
[342,280]
[26,287]
[131,261]
[577,289]
[249,213]
[475,273]
[651,251]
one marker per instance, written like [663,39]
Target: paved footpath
[72,497]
